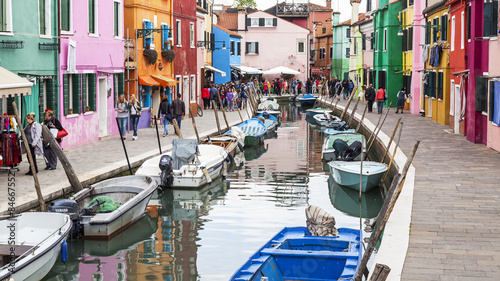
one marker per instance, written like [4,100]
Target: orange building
[148,53]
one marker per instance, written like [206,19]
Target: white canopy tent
[222,73]
[13,85]
[247,69]
[281,70]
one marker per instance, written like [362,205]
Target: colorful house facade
[407,44]
[29,48]
[436,90]
[365,28]
[416,98]
[91,69]
[341,47]
[228,55]
[493,127]
[323,43]
[388,66]
[150,67]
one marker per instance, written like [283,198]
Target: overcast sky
[340,5]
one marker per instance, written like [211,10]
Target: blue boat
[254,131]
[307,100]
[294,254]
[334,132]
[270,116]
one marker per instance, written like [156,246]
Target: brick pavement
[103,159]
[455,219]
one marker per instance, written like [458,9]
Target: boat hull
[307,102]
[253,141]
[351,179]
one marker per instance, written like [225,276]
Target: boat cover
[237,132]
[253,127]
[184,151]
[108,206]
[319,222]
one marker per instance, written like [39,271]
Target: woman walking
[230,99]
[401,100]
[122,108]
[205,95]
[135,113]
[54,126]
[33,134]
[165,112]
[380,98]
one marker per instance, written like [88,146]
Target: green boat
[347,173]
[328,150]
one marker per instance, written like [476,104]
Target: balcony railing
[292,10]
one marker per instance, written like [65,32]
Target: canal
[208,234]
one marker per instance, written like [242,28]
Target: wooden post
[124,147]
[31,158]
[378,131]
[348,103]
[362,118]
[353,112]
[217,116]
[390,141]
[376,126]
[177,130]
[246,109]
[239,113]
[393,154]
[390,201]
[157,134]
[68,169]
[194,125]
[380,273]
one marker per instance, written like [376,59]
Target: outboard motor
[167,171]
[353,151]
[265,115]
[340,147]
[69,207]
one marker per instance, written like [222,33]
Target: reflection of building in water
[112,268]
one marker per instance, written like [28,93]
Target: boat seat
[19,249]
[306,253]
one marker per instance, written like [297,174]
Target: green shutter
[66,93]
[77,93]
[249,22]
[492,100]
[428,33]
[115,88]
[92,91]
[481,95]
[91,16]
[444,28]
[121,83]
[84,92]
[257,47]
[65,15]
[275,22]
[52,96]
[116,18]
[41,108]
[262,22]
[432,84]
[440,85]
[41,9]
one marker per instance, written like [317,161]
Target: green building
[29,48]
[388,58]
[341,47]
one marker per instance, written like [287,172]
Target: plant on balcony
[168,55]
[152,55]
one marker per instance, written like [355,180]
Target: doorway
[185,89]
[103,107]
[457,113]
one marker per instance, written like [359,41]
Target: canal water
[207,234]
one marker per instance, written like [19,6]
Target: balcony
[292,10]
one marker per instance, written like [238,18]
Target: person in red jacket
[380,98]
[205,95]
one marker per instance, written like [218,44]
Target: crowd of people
[227,96]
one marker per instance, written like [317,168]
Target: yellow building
[407,17]
[437,74]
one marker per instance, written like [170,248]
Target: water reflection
[207,234]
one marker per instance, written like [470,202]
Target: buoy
[64,252]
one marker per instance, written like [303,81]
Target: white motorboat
[267,104]
[107,207]
[336,144]
[347,173]
[38,238]
[188,165]
[325,118]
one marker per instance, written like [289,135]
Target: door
[185,90]
[103,107]
[457,113]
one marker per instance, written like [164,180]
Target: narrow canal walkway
[103,159]
[455,218]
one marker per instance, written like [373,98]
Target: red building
[458,52]
[184,45]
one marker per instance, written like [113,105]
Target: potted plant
[152,55]
[168,55]
[70,111]
[87,109]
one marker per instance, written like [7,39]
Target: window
[148,38]
[254,22]
[165,34]
[435,23]
[119,85]
[116,22]
[6,16]
[376,40]
[432,84]
[347,52]
[363,42]
[331,52]
[66,15]
[178,88]
[495,102]
[72,93]
[372,40]
[410,3]
[191,34]
[444,27]
[382,79]
[323,30]
[44,15]
[462,31]
[178,31]
[301,46]
[481,94]
[269,22]
[440,85]
[232,48]
[428,33]
[252,48]
[410,38]
[385,39]
[405,40]
[452,39]
[468,21]
[355,48]
[348,32]
[490,24]
[239,48]
[193,88]
[92,16]
[89,92]
[368,5]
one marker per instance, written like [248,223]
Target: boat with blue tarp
[254,131]
[307,100]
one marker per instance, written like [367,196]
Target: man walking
[370,97]
[179,109]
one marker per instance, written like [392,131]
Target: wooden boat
[228,142]
[188,165]
[347,173]
[318,110]
[307,100]
[38,238]
[93,216]
[268,103]
[290,254]
[323,119]
[328,150]
[254,131]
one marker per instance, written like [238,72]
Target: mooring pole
[124,148]
[158,134]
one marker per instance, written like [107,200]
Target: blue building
[227,52]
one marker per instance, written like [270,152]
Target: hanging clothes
[431,58]
[436,56]
[10,148]
[425,53]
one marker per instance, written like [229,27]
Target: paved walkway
[455,219]
[103,159]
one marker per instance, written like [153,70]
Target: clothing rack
[10,148]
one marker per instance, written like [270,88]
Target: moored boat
[38,240]
[318,110]
[228,142]
[331,131]
[347,173]
[107,207]
[323,119]
[268,103]
[329,150]
[254,131]
[307,100]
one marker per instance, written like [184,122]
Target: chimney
[242,18]
[329,4]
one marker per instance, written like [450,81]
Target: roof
[347,22]
[231,33]
[226,20]
[361,17]
[434,7]
[231,10]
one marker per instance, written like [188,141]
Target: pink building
[493,126]
[418,63]
[91,66]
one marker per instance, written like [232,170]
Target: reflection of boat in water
[252,153]
[187,201]
[347,200]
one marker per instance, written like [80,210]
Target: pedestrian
[361,94]
[244,96]
[380,98]
[299,87]
[54,126]
[401,100]
[165,113]
[135,113]
[345,87]
[205,95]
[223,97]
[264,86]
[179,110]
[294,86]
[122,115]
[213,95]
[230,100]
[33,132]
[370,97]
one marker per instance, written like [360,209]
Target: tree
[245,3]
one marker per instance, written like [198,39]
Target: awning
[147,80]
[209,67]
[165,81]
[171,80]
[246,69]
[12,84]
